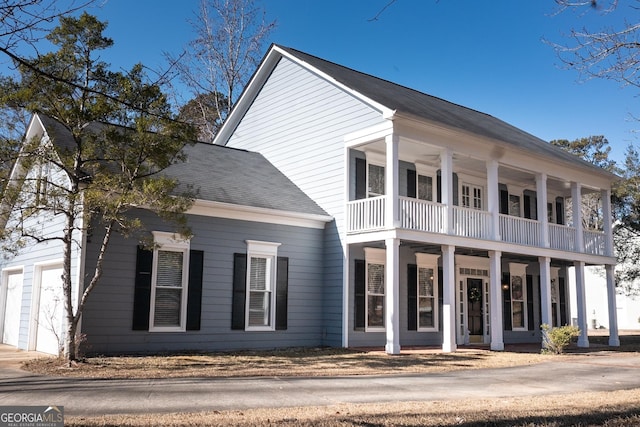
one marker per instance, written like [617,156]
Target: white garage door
[13,304]
[50,310]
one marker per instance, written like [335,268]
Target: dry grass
[620,408]
[289,362]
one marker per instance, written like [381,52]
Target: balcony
[367,215]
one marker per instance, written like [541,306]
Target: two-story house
[451,226]
[339,209]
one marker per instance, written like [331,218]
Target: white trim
[36,285]
[4,288]
[268,251]
[170,242]
[264,215]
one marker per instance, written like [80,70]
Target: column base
[392,349]
[583,342]
[614,342]
[497,346]
[449,348]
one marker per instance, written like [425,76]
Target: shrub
[555,340]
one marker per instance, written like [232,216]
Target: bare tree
[218,63]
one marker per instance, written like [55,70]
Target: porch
[369,215]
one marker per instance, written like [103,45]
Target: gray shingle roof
[240,177]
[223,174]
[420,105]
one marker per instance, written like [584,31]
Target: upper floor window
[425,187]
[375,179]
[472,196]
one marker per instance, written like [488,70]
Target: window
[514,205]
[518,296]
[471,196]
[42,184]
[425,187]
[169,279]
[261,280]
[375,259]
[375,178]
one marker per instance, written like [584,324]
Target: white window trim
[269,250]
[428,261]
[375,159]
[519,270]
[175,243]
[373,256]
[472,186]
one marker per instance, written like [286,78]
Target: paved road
[595,372]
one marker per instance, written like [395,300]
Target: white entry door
[50,311]
[12,309]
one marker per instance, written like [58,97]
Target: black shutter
[504,199]
[282,292]
[239,290]
[440,297]
[439,186]
[412,178]
[530,320]
[142,290]
[360,294]
[506,298]
[563,301]
[412,299]
[194,297]
[527,206]
[361,178]
[454,178]
[560,211]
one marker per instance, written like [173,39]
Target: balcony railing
[366,215]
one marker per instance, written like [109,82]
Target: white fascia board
[255,214]
[366,135]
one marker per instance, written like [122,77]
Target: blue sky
[486,55]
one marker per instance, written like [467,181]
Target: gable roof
[395,99]
[239,177]
[222,174]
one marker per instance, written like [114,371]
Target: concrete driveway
[592,372]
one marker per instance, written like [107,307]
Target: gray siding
[298,122]
[37,253]
[108,318]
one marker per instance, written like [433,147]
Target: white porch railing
[562,237]
[422,215]
[518,230]
[471,223]
[369,215]
[594,242]
[366,214]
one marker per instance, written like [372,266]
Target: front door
[474,310]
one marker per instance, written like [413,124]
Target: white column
[446,191]
[493,198]
[607,222]
[576,199]
[448,299]
[583,340]
[545,290]
[392,296]
[495,305]
[346,258]
[543,219]
[614,340]
[392,182]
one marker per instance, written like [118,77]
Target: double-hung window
[427,292]
[261,285]
[169,279]
[375,260]
[518,296]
